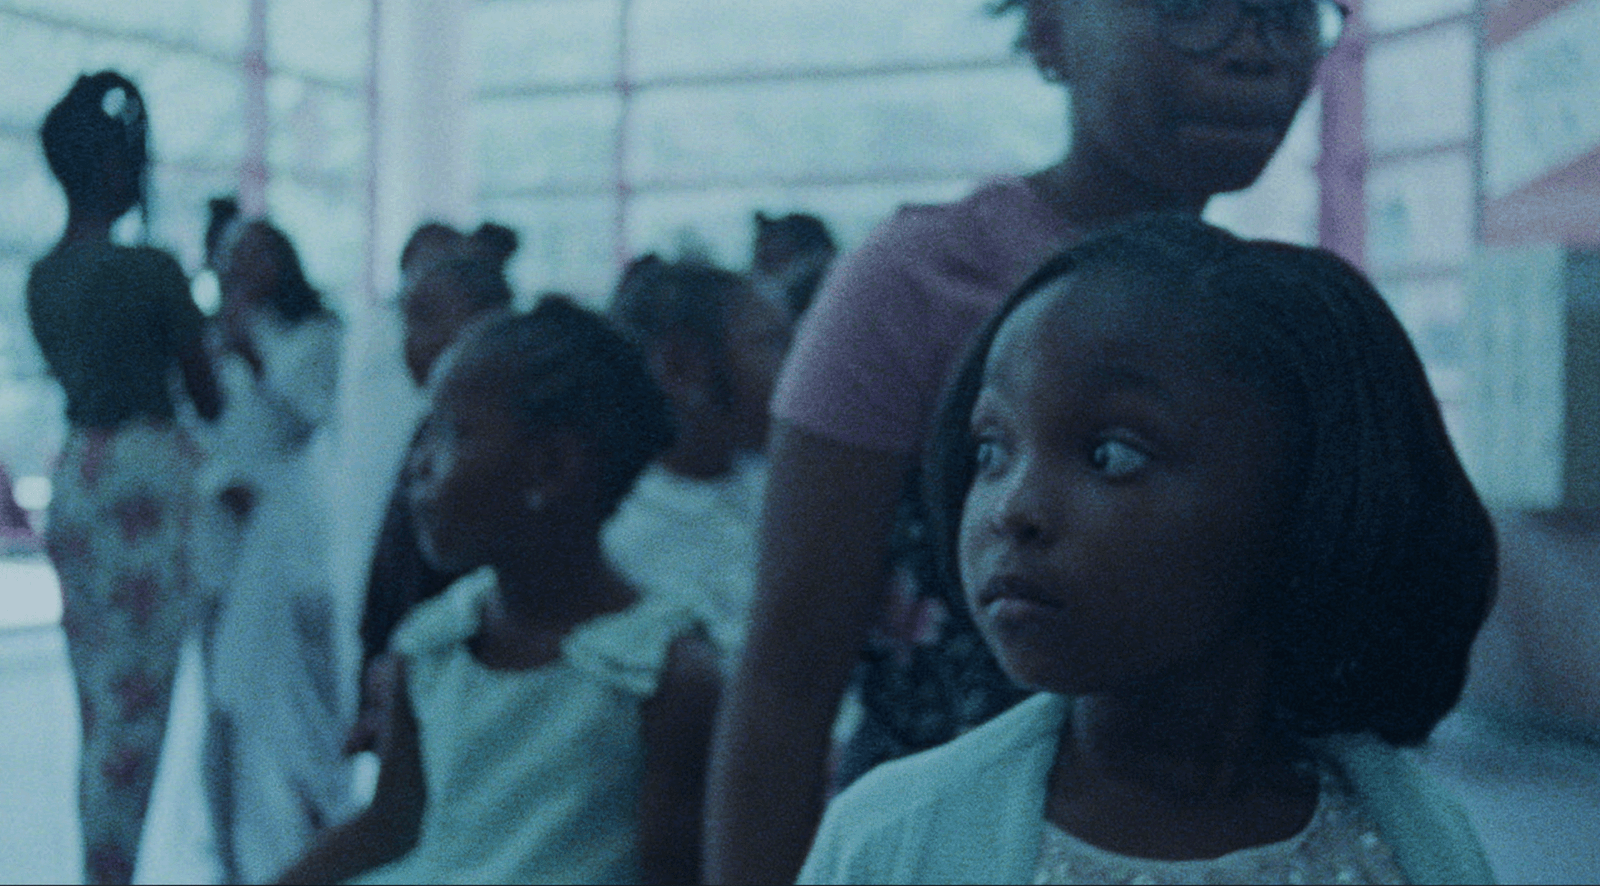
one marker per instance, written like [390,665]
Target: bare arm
[677,739]
[824,548]
[389,828]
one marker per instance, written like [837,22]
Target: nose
[1026,511]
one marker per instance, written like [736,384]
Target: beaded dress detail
[1339,845]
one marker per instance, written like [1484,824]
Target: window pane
[327,39]
[1542,99]
[316,132]
[544,43]
[921,126]
[566,244]
[33,211]
[675,38]
[179,212]
[216,26]
[1419,212]
[1393,15]
[1420,89]
[562,141]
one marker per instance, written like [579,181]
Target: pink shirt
[894,318]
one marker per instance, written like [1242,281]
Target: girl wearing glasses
[1173,102]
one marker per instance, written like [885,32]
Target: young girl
[1171,103]
[1201,497]
[543,723]
[714,346]
[277,686]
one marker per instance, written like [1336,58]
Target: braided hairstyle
[1392,562]
[101,118]
[656,299]
[570,369]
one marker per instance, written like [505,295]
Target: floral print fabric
[118,519]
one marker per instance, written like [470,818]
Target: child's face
[757,339]
[434,314]
[1125,513]
[468,471]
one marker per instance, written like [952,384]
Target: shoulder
[921,818]
[633,649]
[1429,832]
[945,236]
[443,623]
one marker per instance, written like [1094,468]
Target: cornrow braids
[1391,564]
[570,369]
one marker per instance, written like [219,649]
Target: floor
[1534,796]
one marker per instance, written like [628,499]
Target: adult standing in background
[115,324]
[279,687]
[1172,103]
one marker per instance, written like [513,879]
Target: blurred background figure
[115,323]
[789,257]
[714,346]
[449,282]
[274,764]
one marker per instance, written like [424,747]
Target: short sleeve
[855,373]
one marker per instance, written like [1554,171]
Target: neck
[1090,192]
[701,451]
[88,226]
[562,583]
[1193,741]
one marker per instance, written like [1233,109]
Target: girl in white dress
[542,721]
[277,678]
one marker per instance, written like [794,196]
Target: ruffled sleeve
[629,649]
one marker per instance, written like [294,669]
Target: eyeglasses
[1202,27]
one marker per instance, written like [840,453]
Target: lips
[1016,589]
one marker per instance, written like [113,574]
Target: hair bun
[495,242]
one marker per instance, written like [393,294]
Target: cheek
[972,546]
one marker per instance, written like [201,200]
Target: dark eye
[1117,459]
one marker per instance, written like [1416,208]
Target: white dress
[532,776]
[694,542]
[278,687]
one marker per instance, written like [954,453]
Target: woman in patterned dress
[118,330]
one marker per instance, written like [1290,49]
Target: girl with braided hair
[1197,494]
[117,325]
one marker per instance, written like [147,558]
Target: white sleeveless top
[532,776]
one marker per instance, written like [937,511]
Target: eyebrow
[1124,377]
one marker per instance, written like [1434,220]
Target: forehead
[1103,331]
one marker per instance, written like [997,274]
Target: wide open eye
[1117,459]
